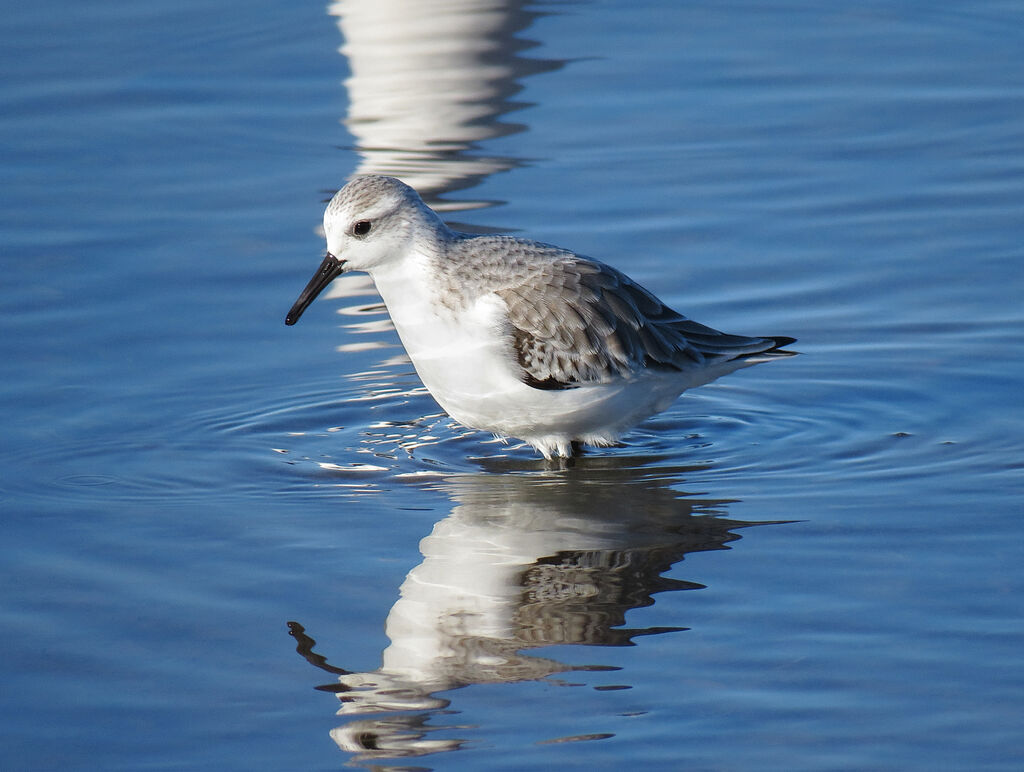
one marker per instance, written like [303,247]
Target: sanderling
[516,337]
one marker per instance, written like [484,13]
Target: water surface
[235,545]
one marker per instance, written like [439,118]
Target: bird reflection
[523,561]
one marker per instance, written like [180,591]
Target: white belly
[466,360]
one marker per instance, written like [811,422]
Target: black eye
[361,228]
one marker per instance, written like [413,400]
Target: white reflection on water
[429,81]
[521,562]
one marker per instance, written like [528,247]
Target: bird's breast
[462,353]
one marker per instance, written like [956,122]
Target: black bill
[329,269]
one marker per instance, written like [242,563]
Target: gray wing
[576,321]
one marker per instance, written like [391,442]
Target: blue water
[228,544]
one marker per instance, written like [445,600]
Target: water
[219,531]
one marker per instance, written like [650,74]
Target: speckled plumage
[576,320]
[542,321]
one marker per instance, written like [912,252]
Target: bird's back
[575,320]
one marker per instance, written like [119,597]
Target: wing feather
[574,320]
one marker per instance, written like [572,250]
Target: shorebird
[516,337]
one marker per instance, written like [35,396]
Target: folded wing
[577,321]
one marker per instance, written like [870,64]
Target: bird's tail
[721,346]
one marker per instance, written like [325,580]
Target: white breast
[465,358]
